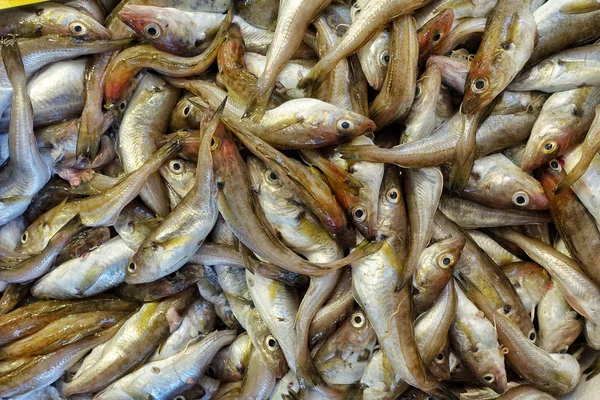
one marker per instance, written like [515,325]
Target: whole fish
[26,172]
[98,210]
[423,189]
[178,237]
[564,119]
[565,70]
[301,232]
[296,124]
[480,269]
[166,378]
[397,93]
[128,63]
[45,50]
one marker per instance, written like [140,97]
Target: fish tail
[463,160]
[311,82]
[362,152]
[11,56]
[256,107]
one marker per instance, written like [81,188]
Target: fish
[178,32]
[566,70]
[26,172]
[589,147]
[178,237]
[51,19]
[144,120]
[562,123]
[398,91]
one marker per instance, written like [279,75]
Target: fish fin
[580,7]
[259,99]
[464,157]
[90,278]
[11,56]
[364,249]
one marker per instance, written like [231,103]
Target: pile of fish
[299,199]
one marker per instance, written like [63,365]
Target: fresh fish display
[299,199]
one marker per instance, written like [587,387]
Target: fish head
[147,22]
[493,368]
[180,174]
[541,149]
[485,81]
[391,213]
[558,339]
[155,259]
[436,29]
[568,371]
[329,121]
[448,252]
[73,23]
[374,59]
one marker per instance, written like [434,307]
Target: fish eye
[24,237]
[123,105]
[440,358]
[418,90]
[520,198]
[359,213]
[437,36]
[131,267]
[345,126]
[211,371]
[489,378]
[77,28]
[532,336]
[555,165]
[152,31]
[563,349]
[393,195]
[186,111]
[357,320]
[271,343]
[385,58]
[171,277]
[479,85]
[214,143]
[272,177]
[180,397]
[549,147]
[175,167]
[446,261]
